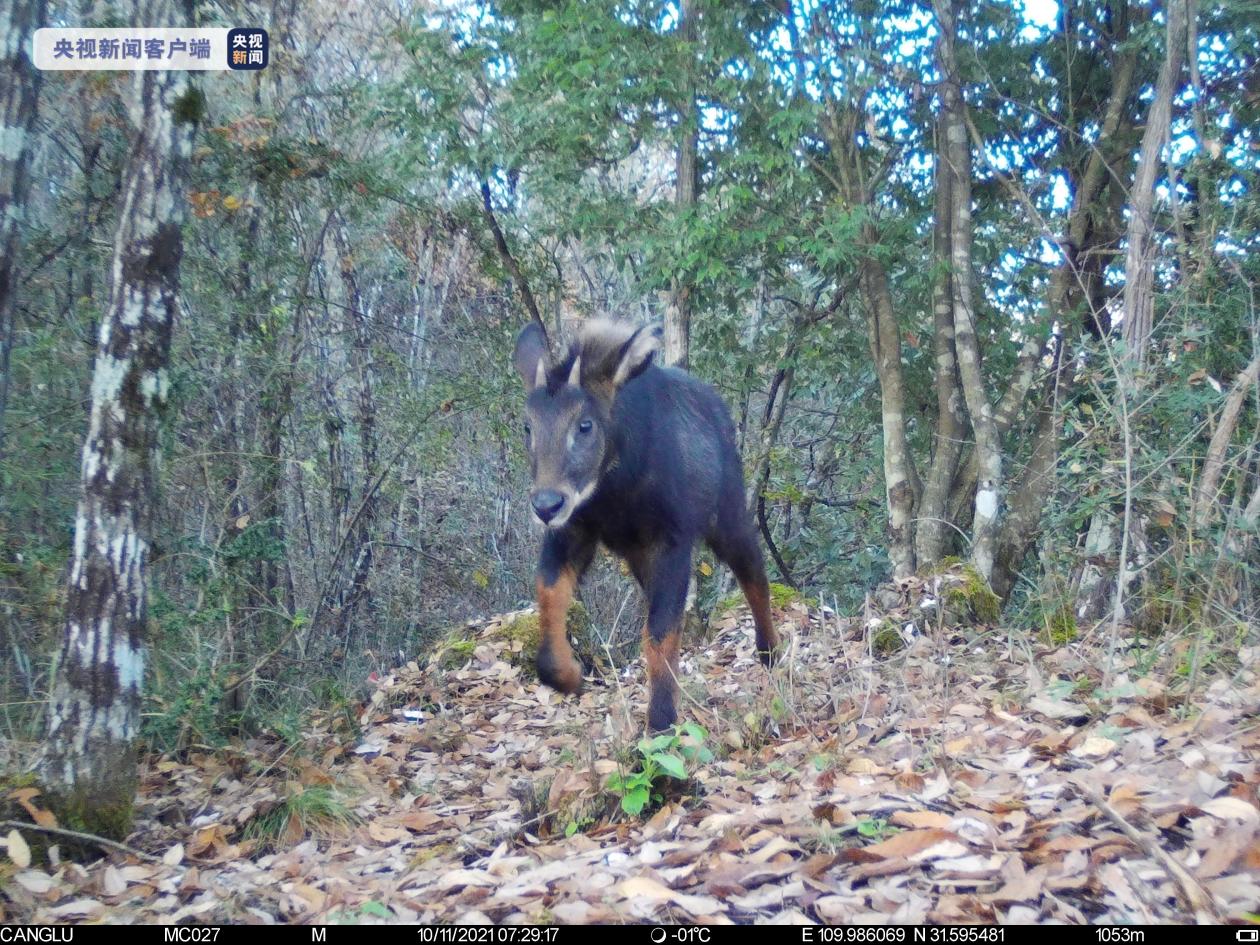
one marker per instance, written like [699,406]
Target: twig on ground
[77,835]
[1192,892]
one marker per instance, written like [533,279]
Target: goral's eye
[585,426]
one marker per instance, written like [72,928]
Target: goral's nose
[546,503]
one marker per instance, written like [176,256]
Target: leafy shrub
[672,755]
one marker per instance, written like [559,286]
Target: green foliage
[781,595]
[258,542]
[671,756]
[1061,627]
[1190,596]
[874,828]
[188,712]
[355,916]
[1215,647]
[190,108]
[578,825]
[831,840]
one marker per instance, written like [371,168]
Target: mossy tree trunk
[88,768]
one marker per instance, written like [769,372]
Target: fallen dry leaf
[913,843]
[920,819]
[18,851]
[1231,808]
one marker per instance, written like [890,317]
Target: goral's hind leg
[666,590]
[757,592]
[564,557]
[741,552]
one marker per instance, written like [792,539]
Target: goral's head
[568,411]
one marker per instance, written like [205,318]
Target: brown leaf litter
[953,781]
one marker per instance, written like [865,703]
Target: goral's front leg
[565,555]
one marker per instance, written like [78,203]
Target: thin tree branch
[505,254]
[1192,892]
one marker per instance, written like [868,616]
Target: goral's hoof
[564,674]
[661,712]
[771,655]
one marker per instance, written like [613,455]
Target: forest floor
[960,779]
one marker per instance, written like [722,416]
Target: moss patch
[523,633]
[456,651]
[525,630]
[89,814]
[968,597]
[885,639]
[1061,626]
[24,795]
[781,596]
[15,782]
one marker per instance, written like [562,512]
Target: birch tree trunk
[1206,498]
[88,767]
[19,95]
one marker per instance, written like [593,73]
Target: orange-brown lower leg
[757,593]
[662,670]
[557,667]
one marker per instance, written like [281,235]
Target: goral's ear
[636,354]
[532,358]
[612,353]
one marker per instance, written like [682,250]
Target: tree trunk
[1104,575]
[19,95]
[88,767]
[1139,260]
[900,479]
[275,403]
[361,548]
[1206,498]
[933,528]
[686,169]
[989,482]
[1029,494]
[1098,570]
[508,260]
